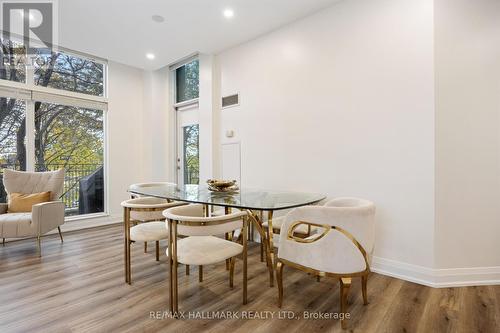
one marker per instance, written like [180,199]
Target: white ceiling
[123,31]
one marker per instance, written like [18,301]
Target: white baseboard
[403,271]
[93,222]
[437,278]
[461,277]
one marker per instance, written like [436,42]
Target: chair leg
[345,285]
[232,261]
[157,250]
[129,263]
[249,237]
[270,266]
[266,245]
[261,250]
[364,282]
[244,255]
[39,245]
[200,273]
[145,247]
[60,234]
[176,286]
[125,249]
[279,277]
[187,269]
[3,241]
[174,264]
[228,261]
[170,265]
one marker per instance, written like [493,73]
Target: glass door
[188,147]
[187,88]
[191,154]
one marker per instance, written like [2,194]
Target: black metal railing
[72,176]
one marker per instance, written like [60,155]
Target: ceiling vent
[230,101]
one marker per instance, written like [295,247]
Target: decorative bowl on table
[219,185]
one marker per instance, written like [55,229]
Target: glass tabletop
[245,198]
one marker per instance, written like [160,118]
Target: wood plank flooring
[78,286]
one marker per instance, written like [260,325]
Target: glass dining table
[256,202]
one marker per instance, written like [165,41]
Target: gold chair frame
[345,280]
[172,255]
[127,223]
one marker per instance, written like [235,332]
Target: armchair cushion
[23,203]
[16,225]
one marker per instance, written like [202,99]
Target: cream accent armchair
[340,247]
[44,216]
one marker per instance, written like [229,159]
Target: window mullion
[30,135]
[30,120]
[30,76]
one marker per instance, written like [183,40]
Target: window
[12,137]
[191,154]
[72,138]
[187,81]
[67,72]
[12,65]
[42,131]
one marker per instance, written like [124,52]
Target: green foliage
[70,136]
[191,154]
[187,81]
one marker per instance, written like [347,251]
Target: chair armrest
[48,215]
[318,236]
[3,208]
[345,255]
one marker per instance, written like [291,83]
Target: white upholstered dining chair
[201,246]
[43,217]
[146,214]
[340,247]
[140,186]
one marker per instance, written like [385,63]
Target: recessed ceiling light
[158,18]
[228,13]
[150,56]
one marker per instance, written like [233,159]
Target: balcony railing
[73,175]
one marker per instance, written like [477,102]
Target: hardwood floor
[79,286]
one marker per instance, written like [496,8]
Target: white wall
[125,133]
[158,155]
[342,103]
[468,134]
[207,117]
